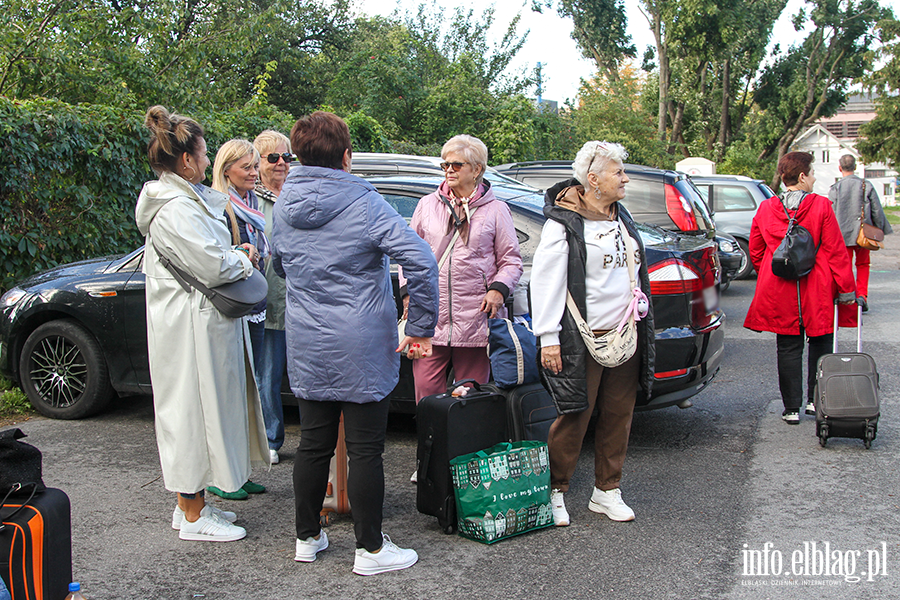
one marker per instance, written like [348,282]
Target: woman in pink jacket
[480,271]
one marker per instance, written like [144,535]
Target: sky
[550,41]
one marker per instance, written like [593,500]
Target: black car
[654,196]
[75,335]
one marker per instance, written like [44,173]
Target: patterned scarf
[458,208]
[255,220]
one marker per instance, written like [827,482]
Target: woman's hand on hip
[551,359]
[492,302]
[415,347]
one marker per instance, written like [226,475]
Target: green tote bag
[502,491]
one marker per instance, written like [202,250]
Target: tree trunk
[725,117]
[677,136]
[663,77]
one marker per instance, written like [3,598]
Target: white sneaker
[558,505]
[810,408]
[210,527]
[273,456]
[414,478]
[611,504]
[388,558]
[308,548]
[178,515]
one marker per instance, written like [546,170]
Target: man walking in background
[854,199]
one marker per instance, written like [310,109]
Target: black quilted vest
[569,387]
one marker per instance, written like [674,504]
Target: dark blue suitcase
[36,545]
[530,411]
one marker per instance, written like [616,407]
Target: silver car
[734,200]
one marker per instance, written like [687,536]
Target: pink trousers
[431,373]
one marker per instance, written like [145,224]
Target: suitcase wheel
[870,435]
[823,434]
[326,518]
[451,529]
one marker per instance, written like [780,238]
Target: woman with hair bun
[209,425]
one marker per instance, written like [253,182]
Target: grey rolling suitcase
[846,393]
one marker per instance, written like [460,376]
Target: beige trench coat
[209,424]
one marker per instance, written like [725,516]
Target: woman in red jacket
[793,309]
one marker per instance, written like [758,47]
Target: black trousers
[790,366]
[365,427]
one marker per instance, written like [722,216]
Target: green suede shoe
[241,494]
[253,488]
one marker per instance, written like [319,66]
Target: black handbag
[20,464]
[234,300]
[795,256]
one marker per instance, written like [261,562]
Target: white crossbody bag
[617,345]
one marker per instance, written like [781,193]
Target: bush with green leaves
[71,175]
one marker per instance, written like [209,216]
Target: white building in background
[830,138]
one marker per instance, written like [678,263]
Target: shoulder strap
[185,279]
[449,247]
[235,232]
[629,250]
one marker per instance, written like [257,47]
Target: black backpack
[795,256]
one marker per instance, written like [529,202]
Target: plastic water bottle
[75,591]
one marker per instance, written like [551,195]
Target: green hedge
[70,177]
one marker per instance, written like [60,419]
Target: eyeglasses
[456,165]
[273,158]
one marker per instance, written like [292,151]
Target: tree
[811,80]
[599,28]
[879,141]
[133,53]
[428,78]
[611,111]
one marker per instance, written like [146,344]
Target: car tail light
[680,210]
[668,374]
[673,276]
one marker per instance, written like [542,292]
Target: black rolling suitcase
[449,427]
[36,545]
[530,412]
[847,403]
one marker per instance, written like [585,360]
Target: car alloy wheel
[63,371]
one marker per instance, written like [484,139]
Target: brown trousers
[614,390]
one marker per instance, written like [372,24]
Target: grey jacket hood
[156,194]
[313,196]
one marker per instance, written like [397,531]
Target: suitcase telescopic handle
[858,328]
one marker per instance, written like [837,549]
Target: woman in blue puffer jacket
[333,235]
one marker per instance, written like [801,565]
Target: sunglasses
[456,165]
[273,158]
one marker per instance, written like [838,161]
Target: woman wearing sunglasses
[275,150]
[235,172]
[480,271]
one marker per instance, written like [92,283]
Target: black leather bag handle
[15,489]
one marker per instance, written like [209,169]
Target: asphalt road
[711,485]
